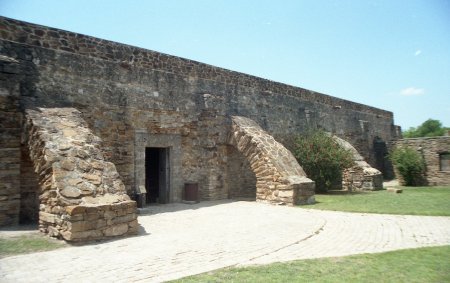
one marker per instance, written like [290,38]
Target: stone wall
[279,177]
[241,180]
[10,133]
[123,91]
[81,195]
[430,149]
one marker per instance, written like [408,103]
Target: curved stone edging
[279,177]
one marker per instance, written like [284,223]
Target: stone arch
[279,177]
[81,194]
[361,176]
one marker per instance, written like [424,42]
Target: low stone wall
[95,221]
[81,194]
[362,176]
[431,149]
[357,178]
[279,177]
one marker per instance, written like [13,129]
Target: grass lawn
[414,265]
[413,201]
[27,244]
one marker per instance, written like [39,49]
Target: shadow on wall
[241,180]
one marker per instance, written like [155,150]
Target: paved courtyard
[177,240]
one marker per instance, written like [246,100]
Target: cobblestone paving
[177,240]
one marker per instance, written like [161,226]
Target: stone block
[91,216]
[101,223]
[93,178]
[81,225]
[68,164]
[304,200]
[76,217]
[109,214]
[133,224]
[52,231]
[286,194]
[75,209]
[394,190]
[118,206]
[133,230]
[97,165]
[84,165]
[91,210]
[122,211]
[116,230]
[82,235]
[124,219]
[47,217]
[74,181]
[131,209]
[70,192]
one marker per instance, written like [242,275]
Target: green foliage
[322,159]
[414,265]
[429,128]
[409,164]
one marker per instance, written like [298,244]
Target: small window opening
[444,159]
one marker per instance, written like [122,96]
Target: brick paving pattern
[178,240]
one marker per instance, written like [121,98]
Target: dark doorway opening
[29,190]
[382,161]
[157,174]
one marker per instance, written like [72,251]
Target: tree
[429,128]
[322,159]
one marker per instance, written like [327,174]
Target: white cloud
[418,52]
[412,91]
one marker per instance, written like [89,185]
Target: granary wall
[125,92]
[10,136]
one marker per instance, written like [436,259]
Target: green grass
[414,265]
[28,244]
[412,201]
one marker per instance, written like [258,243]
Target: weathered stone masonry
[132,99]
[432,150]
[361,176]
[10,133]
[279,177]
[81,196]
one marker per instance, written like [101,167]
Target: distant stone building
[87,123]
[436,154]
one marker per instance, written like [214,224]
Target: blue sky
[393,55]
